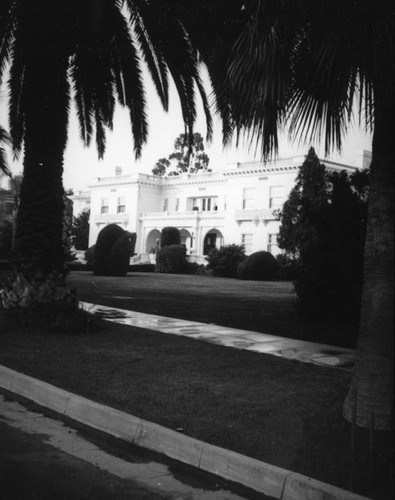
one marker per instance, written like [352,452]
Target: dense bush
[42,304]
[119,257]
[105,241]
[171,259]
[80,230]
[287,267]
[5,239]
[260,266]
[323,225]
[89,254]
[170,236]
[225,261]
[198,269]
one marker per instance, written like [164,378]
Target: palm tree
[4,140]
[89,52]
[310,65]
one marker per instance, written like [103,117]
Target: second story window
[249,195]
[276,196]
[121,205]
[165,204]
[104,206]
[205,204]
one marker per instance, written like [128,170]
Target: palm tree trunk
[371,391]
[38,244]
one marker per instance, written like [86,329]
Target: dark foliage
[5,239]
[132,239]
[171,259]
[170,236]
[260,266]
[51,318]
[89,254]
[225,261]
[119,257]
[323,225]
[80,230]
[142,268]
[287,267]
[105,240]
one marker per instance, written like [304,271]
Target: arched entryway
[213,239]
[186,238]
[153,241]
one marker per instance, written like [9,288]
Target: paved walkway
[307,352]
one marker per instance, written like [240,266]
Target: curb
[264,478]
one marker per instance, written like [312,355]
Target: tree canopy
[188,156]
[323,226]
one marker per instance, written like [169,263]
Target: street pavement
[42,458]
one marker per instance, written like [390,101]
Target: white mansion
[233,205]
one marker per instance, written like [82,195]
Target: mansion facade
[235,205]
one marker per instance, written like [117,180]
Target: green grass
[267,307]
[280,411]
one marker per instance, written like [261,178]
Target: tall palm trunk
[371,392]
[38,244]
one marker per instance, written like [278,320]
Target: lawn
[280,411]
[267,307]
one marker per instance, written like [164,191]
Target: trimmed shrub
[225,261]
[105,240]
[119,257]
[170,236]
[89,254]
[259,266]
[171,259]
[132,238]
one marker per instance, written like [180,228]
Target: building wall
[235,205]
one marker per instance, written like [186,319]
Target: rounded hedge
[259,266]
[119,258]
[224,261]
[132,238]
[105,240]
[171,259]
[170,236]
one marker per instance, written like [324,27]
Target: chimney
[118,170]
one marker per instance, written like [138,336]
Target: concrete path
[306,352]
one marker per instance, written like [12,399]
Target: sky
[82,166]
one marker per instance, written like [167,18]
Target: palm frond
[129,80]
[7,31]
[311,65]
[83,99]
[145,25]
[17,86]
[4,140]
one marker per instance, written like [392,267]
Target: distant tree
[323,226]
[80,230]
[188,156]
